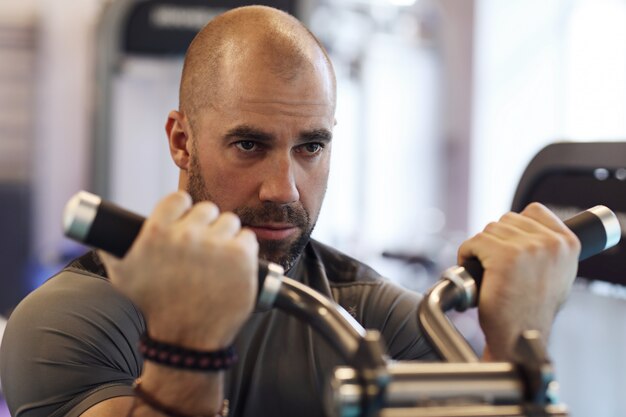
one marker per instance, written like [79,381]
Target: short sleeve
[69,345]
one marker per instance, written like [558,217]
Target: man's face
[263,152]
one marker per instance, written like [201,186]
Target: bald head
[253,38]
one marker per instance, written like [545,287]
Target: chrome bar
[330,320]
[427,385]
[437,327]
[473,411]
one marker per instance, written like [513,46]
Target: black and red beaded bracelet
[183,358]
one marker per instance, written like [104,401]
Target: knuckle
[507,217]
[552,244]
[179,198]
[206,206]
[231,219]
[534,207]
[154,230]
[515,256]
[572,242]
[186,234]
[491,227]
[515,252]
[509,247]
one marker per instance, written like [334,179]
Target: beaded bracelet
[155,404]
[183,358]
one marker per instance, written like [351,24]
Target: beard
[283,252]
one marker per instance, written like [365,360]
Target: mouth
[274,231]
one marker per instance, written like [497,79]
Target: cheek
[229,188]
[313,189]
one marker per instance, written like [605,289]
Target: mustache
[274,213]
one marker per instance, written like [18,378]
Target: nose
[279,182]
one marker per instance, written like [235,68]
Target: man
[252,137]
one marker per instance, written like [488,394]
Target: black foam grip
[114,230]
[590,231]
[475,269]
[586,226]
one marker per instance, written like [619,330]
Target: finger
[247,238]
[544,216]
[535,223]
[227,225]
[522,222]
[550,221]
[504,230]
[171,208]
[480,246]
[538,219]
[201,214]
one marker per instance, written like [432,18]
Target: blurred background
[441,106]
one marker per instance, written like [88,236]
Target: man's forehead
[269,101]
[269,117]
[306,96]
[282,107]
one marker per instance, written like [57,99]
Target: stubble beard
[282,252]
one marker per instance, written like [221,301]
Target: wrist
[502,345]
[181,357]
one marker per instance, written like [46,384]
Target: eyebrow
[246,132]
[316,135]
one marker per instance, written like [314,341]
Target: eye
[246,145]
[312,148]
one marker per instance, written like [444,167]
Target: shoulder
[75,298]
[73,339]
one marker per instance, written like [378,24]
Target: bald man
[252,139]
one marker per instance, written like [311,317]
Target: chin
[283,253]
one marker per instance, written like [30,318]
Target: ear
[179,138]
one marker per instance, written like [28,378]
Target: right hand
[192,271]
[530,262]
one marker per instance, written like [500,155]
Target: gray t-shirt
[72,342]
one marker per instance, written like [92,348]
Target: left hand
[191,271]
[530,261]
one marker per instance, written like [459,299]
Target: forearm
[191,393]
[188,392]
[178,380]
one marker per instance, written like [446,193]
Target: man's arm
[196,394]
[192,272]
[530,261]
